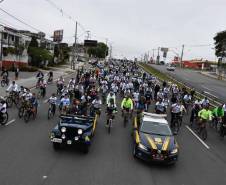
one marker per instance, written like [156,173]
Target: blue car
[74,130]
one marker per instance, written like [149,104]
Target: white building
[13,47]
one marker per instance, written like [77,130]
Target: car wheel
[134,151]
[85,149]
[5,118]
[56,146]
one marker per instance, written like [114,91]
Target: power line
[21,21]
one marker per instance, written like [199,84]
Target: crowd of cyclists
[96,88]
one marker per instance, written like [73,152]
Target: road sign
[165,49]
[58,35]
[90,43]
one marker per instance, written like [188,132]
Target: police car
[153,139]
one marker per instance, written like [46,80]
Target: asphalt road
[27,157]
[198,81]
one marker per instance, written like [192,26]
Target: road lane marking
[13,120]
[206,88]
[45,101]
[197,137]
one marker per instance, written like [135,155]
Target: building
[195,64]
[13,47]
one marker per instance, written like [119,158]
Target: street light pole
[75,47]
[182,54]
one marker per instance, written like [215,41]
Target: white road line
[13,120]
[197,137]
[207,88]
[45,101]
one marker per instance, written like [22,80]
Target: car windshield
[155,128]
[79,121]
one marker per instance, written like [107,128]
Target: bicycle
[41,93]
[110,121]
[51,110]
[12,98]
[4,81]
[28,113]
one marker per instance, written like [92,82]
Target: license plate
[159,157]
[69,142]
[56,140]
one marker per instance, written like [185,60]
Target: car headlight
[141,146]
[63,136]
[174,151]
[52,135]
[63,129]
[80,131]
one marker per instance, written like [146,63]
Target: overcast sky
[132,26]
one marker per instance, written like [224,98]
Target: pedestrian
[17,70]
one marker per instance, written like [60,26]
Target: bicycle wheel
[204,134]
[125,120]
[9,102]
[5,118]
[109,126]
[2,83]
[26,116]
[21,112]
[50,113]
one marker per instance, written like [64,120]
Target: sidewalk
[212,75]
[28,79]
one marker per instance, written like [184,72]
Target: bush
[28,69]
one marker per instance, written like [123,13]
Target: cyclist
[127,104]
[176,112]
[160,107]
[5,74]
[64,103]
[34,103]
[53,101]
[111,95]
[42,85]
[50,76]
[218,114]
[13,87]
[60,84]
[205,115]
[39,76]
[96,105]
[194,112]
[205,102]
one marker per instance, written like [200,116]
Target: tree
[220,47]
[38,54]
[101,51]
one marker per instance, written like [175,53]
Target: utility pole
[106,49]
[181,58]
[158,57]
[75,47]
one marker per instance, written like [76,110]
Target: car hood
[156,142]
[83,127]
